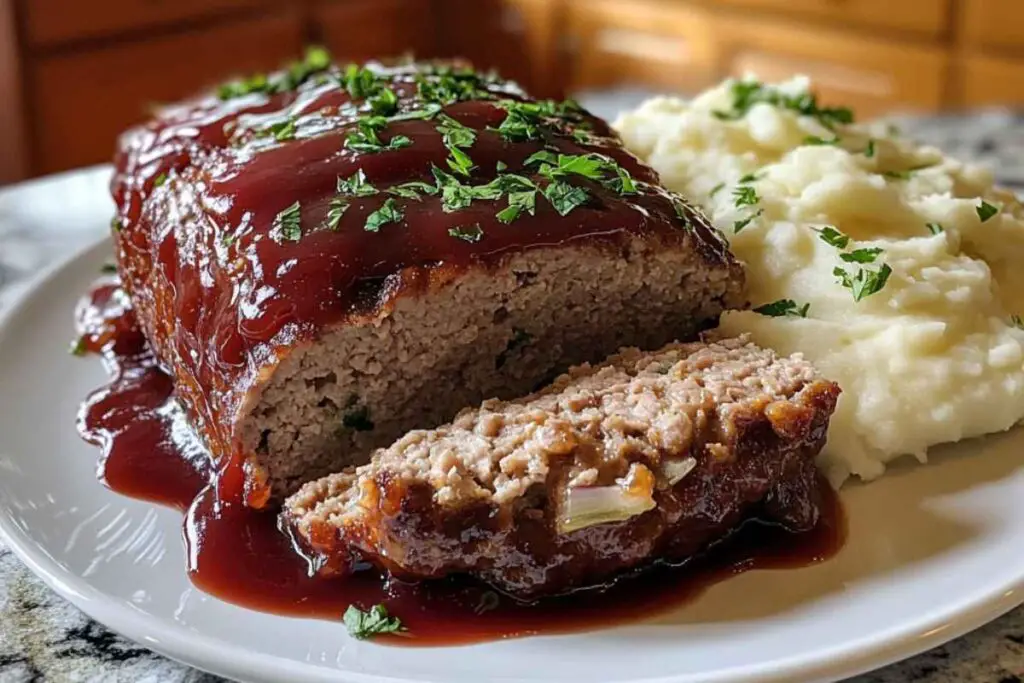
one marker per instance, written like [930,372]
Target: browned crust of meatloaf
[488,496]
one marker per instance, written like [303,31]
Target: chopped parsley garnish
[745,195]
[445,85]
[108,268]
[366,136]
[832,237]
[287,226]
[716,189]
[544,156]
[906,173]
[565,197]
[681,209]
[335,211]
[359,82]
[864,282]
[815,141]
[384,103]
[869,151]
[529,120]
[518,202]
[1016,321]
[454,133]
[455,195]
[389,212]
[624,183]
[280,131]
[356,185]
[783,307]
[373,622]
[459,161]
[500,166]
[749,178]
[77,347]
[159,180]
[747,93]
[986,210]
[934,228]
[115,224]
[413,189]
[737,226]
[316,60]
[470,233]
[861,255]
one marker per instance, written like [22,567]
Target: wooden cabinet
[925,17]
[646,43]
[993,23]
[517,37]
[48,22]
[80,102]
[375,29]
[985,80]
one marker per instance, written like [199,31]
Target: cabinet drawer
[81,101]
[871,76]
[993,23]
[990,80]
[54,21]
[518,38]
[645,44]
[926,17]
[375,29]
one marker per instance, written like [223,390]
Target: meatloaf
[647,456]
[324,258]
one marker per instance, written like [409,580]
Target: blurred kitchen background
[73,73]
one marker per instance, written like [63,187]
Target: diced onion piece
[593,505]
[675,470]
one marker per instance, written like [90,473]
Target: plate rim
[227,659]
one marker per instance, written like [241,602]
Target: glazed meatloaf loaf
[324,258]
[647,456]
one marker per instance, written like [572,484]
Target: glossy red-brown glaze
[222,299]
[238,554]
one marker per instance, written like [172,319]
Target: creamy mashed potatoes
[933,350]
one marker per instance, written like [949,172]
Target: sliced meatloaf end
[647,456]
[319,279]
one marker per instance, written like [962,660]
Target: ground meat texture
[648,456]
[302,335]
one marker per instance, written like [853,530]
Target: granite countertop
[44,638]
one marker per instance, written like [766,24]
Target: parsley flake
[832,237]
[523,200]
[287,225]
[986,210]
[335,211]
[366,136]
[815,141]
[77,347]
[108,269]
[389,212]
[934,228]
[472,233]
[565,197]
[384,103]
[356,185]
[864,282]
[375,621]
[783,307]
[869,151]
[748,93]
[716,189]
[1016,321]
[737,226]
[867,255]
[745,195]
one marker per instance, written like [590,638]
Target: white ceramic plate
[933,552]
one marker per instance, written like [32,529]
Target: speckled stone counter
[44,638]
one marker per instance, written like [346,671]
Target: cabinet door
[990,80]
[360,30]
[54,21]
[993,23]
[872,76]
[646,44]
[518,38]
[80,101]
[924,17]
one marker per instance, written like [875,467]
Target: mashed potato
[936,354]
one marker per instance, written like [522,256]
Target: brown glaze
[239,555]
[222,301]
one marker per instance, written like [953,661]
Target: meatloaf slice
[647,456]
[324,258]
